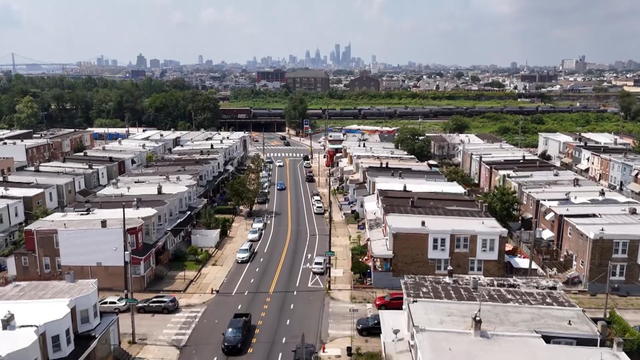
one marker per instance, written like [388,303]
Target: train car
[450,111]
[406,113]
[343,114]
[268,114]
[315,114]
[373,113]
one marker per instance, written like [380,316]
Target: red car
[392,301]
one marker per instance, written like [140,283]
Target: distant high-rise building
[514,65]
[141,61]
[200,59]
[100,60]
[114,62]
[209,62]
[336,49]
[345,59]
[307,58]
[154,63]
[373,60]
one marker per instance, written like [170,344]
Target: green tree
[456,174]
[204,109]
[414,142]
[108,123]
[27,114]
[496,84]
[459,75]
[475,79]
[41,212]
[295,111]
[457,125]
[502,204]
[183,126]
[627,102]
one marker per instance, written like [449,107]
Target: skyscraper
[141,61]
[337,54]
[373,59]
[307,58]
[200,59]
[346,56]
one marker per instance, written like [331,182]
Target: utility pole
[310,142]
[606,296]
[128,293]
[264,158]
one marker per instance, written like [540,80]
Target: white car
[316,198]
[245,253]
[258,223]
[279,163]
[254,235]
[307,164]
[318,208]
[319,265]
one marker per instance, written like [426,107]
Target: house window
[95,311]
[475,266]
[84,316]
[582,263]
[620,248]
[618,271]
[1,219]
[56,346]
[58,264]
[56,244]
[67,334]
[569,231]
[25,261]
[488,245]
[47,263]
[132,242]
[492,245]
[442,265]
[462,243]
[51,197]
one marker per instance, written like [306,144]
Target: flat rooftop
[516,291]
[445,224]
[418,185]
[56,223]
[39,290]
[103,214]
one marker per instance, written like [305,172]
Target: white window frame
[620,271]
[442,265]
[620,248]
[58,264]
[476,266]
[53,347]
[88,319]
[25,261]
[56,242]
[46,264]
[67,335]
[462,243]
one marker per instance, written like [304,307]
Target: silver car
[254,235]
[114,304]
[319,265]
[245,253]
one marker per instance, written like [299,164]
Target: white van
[319,265]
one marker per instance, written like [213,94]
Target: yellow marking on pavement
[268,299]
[265,306]
[250,350]
[263,314]
[254,340]
[259,322]
[257,331]
[286,244]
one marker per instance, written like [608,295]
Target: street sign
[131,301]
[305,122]
[330,253]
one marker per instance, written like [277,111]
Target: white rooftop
[19,192]
[39,290]
[623,227]
[70,165]
[56,223]
[100,214]
[14,340]
[418,185]
[141,189]
[557,136]
[444,224]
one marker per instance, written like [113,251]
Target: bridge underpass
[266,125]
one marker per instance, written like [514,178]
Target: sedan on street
[254,235]
[279,163]
[159,303]
[392,301]
[281,186]
[258,223]
[369,325]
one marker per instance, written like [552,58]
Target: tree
[413,141]
[204,109]
[108,123]
[41,212]
[475,79]
[459,75]
[295,111]
[27,114]
[496,84]
[456,174]
[457,125]
[626,101]
[244,189]
[502,204]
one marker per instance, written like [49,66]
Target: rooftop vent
[8,321]
[633,211]
[159,189]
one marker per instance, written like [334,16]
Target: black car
[262,197]
[283,137]
[309,178]
[305,352]
[159,303]
[286,143]
[369,325]
[237,334]
[305,158]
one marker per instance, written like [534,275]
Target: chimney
[556,173]
[144,146]
[8,321]
[404,187]
[90,165]
[633,211]
[393,173]
[423,223]
[576,182]
[70,277]
[412,202]
[476,325]
[386,164]
[5,177]
[380,163]
[36,167]
[103,223]
[159,189]
[400,174]
[618,344]
[119,141]
[601,193]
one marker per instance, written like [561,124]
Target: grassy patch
[188,265]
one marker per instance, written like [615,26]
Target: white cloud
[223,15]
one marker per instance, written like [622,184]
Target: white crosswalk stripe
[180,326]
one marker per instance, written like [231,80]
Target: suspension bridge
[17,64]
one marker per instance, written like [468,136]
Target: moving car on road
[114,304]
[319,265]
[254,235]
[245,253]
[159,303]
[283,137]
[286,143]
[318,208]
[281,186]
[392,301]
[369,325]
[279,163]
[237,334]
[269,160]
[258,223]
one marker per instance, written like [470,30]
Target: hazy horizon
[449,32]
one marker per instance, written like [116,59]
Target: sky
[462,32]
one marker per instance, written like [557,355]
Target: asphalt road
[277,287]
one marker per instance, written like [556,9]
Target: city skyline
[464,33]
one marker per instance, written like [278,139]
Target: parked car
[307,164]
[309,178]
[286,143]
[305,158]
[159,303]
[254,235]
[245,253]
[262,197]
[316,198]
[369,325]
[281,186]
[258,223]
[114,304]
[279,163]
[318,208]
[319,265]
[283,137]
[237,334]
[269,160]
[392,301]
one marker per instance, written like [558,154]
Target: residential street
[277,287]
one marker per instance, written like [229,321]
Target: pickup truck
[237,334]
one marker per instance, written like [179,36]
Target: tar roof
[517,291]
[38,290]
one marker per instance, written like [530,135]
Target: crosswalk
[181,325]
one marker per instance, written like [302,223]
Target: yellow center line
[286,244]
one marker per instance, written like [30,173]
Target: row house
[87,244]
[605,249]
[494,172]
[94,175]
[474,156]
[66,141]
[28,152]
[111,134]
[127,161]
[558,146]
[33,196]
[114,167]
[12,218]
[141,146]
[56,320]
[66,185]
